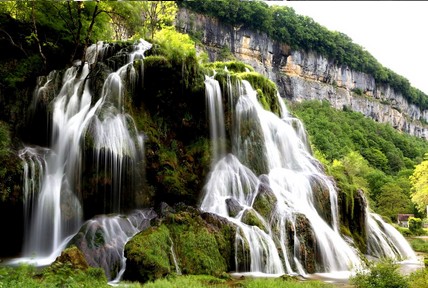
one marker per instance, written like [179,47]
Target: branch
[13,43]
[37,35]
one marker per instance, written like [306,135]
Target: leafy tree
[157,15]
[392,201]
[419,181]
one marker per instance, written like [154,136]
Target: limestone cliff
[304,75]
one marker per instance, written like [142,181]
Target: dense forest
[169,106]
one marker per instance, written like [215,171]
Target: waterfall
[270,186]
[81,122]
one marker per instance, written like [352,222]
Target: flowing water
[284,206]
[80,122]
[266,183]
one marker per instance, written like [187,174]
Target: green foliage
[196,247]
[419,245]
[199,248]
[149,251]
[232,66]
[415,226]
[387,155]
[199,281]
[176,45]
[384,274]
[392,201]
[358,91]
[189,281]
[419,278]
[302,32]
[280,282]
[419,181]
[5,141]
[28,276]
[266,90]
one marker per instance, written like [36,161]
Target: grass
[419,245]
[200,281]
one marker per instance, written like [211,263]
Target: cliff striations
[302,75]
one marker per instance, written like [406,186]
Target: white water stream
[270,159]
[53,175]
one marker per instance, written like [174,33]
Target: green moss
[250,218]
[148,254]
[232,66]
[199,247]
[195,245]
[270,93]
[265,201]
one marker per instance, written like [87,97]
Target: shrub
[384,274]
[415,226]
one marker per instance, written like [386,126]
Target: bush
[415,226]
[418,279]
[384,274]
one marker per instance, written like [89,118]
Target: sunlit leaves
[419,181]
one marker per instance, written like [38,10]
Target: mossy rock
[267,91]
[321,198]
[251,218]
[265,201]
[147,255]
[71,257]
[201,245]
[251,141]
[307,250]
[233,207]
[232,66]
[196,245]
[243,254]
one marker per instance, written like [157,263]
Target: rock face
[302,75]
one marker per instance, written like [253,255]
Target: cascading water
[80,123]
[277,195]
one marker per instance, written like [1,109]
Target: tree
[392,201]
[419,181]
[157,15]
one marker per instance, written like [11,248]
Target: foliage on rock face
[351,146]
[199,245]
[167,107]
[302,32]
[148,253]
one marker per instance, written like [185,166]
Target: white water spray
[54,207]
[272,175]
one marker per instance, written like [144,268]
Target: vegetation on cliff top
[302,32]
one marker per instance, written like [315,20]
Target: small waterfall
[174,258]
[385,241]
[276,193]
[103,238]
[80,122]
[215,110]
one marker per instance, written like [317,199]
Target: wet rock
[265,201]
[102,239]
[233,207]
[73,257]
